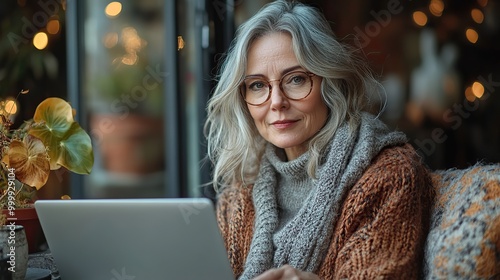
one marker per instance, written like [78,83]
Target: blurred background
[139,73]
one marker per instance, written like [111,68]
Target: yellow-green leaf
[75,151]
[30,161]
[56,115]
[68,144]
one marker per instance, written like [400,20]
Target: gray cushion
[464,240]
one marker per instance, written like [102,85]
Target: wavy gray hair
[234,144]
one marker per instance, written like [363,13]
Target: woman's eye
[296,80]
[257,86]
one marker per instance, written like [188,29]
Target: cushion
[464,238]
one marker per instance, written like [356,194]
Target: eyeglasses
[295,85]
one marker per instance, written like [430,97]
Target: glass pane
[122,87]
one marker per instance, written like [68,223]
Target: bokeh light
[110,40]
[41,40]
[53,26]
[482,3]
[436,7]
[420,18]
[10,106]
[132,43]
[477,15]
[469,95]
[478,89]
[113,9]
[180,43]
[472,35]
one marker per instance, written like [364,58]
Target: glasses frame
[309,74]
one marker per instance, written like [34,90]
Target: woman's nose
[278,98]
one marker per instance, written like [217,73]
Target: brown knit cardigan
[379,234]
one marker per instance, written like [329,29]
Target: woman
[310,186]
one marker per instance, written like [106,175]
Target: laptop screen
[134,238]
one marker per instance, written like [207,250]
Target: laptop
[134,239]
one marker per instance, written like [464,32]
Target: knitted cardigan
[381,229]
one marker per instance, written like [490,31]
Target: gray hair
[234,144]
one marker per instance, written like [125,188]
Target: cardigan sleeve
[235,215]
[381,230]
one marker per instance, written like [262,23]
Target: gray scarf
[307,236]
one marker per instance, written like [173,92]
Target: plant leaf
[30,160]
[75,151]
[55,116]
[68,144]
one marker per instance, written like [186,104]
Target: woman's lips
[283,124]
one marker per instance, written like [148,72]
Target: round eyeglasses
[295,85]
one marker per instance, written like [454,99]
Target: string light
[113,9]
[436,7]
[469,95]
[41,40]
[471,35]
[420,18]
[110,40]
[10,106]
[53,26]
[478,89]
[180,43]
[477,15]
[482,3]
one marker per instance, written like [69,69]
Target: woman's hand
[286,272]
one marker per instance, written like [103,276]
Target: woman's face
[286,123]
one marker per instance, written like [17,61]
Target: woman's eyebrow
[283,72]
[290,69]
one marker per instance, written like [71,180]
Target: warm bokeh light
[420,18]
[10,107]
[53,26]
[477,15]
[478,89]
[436,7]
[40,40]
[471,35]
[133,44]
[113,9]
[180,43]
[110,40]
[469,95]
[483,3]
[129,59]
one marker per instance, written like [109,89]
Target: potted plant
[52,139]
[131,114]
[124,81]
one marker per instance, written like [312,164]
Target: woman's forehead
[271,54]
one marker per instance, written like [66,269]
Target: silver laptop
[139,239]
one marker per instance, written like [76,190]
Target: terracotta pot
[28,218]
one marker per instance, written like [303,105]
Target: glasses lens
[255,90]
[296,85]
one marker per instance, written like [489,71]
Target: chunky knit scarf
[307,236]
